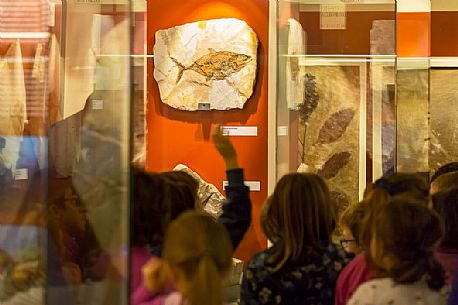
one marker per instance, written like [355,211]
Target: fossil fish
[215,65]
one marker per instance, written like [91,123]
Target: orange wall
[413,34]
[355,39]
[444,34]
[176,136]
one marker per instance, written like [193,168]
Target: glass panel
[336,92]
[443,84]
[64,151]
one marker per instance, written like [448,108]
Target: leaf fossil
[335,127]
[332,167]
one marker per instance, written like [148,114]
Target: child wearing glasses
[404,238]
[351,222]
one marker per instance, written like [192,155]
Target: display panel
[336,92]
[443,116]
[179,136]
[64,152]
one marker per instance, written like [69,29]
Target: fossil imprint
[215,65]
[206,65]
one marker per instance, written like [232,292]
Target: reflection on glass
[64,139]
[335,95]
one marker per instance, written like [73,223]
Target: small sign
[97,104]
[52,15]
[254,186]
[203,106]
[247,131]
[333,16]
[21,174]
[89,1]
[282,130]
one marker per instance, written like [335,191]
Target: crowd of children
[399,244]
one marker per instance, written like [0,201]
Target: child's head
[382,191]
[400,183]
[445,169]
[299,217]
[444,182]
[352,220]
[405,235]
[157,200]
[446,205]
[198,252]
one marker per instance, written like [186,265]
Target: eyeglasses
[345,242]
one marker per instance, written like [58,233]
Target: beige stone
[206,65]
[209,196]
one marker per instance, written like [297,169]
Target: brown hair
[353,218]
[299,218]
[399,183]
[407,233]
[382,190]
[199,252]
[157,200]
[446,205]
[444,169]
[444,182]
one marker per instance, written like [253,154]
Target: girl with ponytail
[404,237]
[197,256]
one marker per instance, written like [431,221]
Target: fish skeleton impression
[215,65]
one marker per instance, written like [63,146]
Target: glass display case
[348,89]
[443,83]
[336,92]
[361,90]
[65,151]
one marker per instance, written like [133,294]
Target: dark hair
[399,183]
[446,205]
[157,200]
[407,232]
[444,182]
[444,169]
[299,218]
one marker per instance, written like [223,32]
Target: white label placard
[97,104]
[254,186]
[282,130]
[89,1]
[333,16]
[247,131]
[52,14]
[21,174]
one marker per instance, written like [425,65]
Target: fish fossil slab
[209,65]
[215,65]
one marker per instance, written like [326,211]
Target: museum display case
[335,94]
[361,90]
[210,67]
[65,151]
[443,83]
[348,89]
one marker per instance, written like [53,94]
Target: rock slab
[206,65]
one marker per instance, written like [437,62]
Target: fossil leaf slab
[206,65]
[334,127]
[334,164]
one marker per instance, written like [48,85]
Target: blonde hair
[298,218]
[199,253]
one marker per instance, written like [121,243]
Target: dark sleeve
[453,298]
[236,216]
